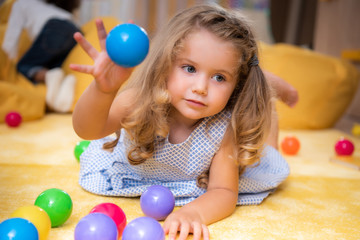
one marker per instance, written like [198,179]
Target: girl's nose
[200,86]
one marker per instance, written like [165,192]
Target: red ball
[13,119]
[344,147]
[290,145]
[115,212]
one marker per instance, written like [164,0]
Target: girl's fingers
[101,33]
[82,68]
[205,231]
[197,230]
[173,229]
[184,231]
[166,226]
[88,48]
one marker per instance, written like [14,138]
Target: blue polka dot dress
[176,166]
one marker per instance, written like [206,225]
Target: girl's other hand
[108,76]
[283,90]
[185,222]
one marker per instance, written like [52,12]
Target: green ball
[80,148]
[57,204]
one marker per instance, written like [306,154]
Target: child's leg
[34,64]
[49,50]
[40,75]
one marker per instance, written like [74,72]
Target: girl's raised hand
[108,76]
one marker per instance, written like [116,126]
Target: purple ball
[143,228]
[96,226]
[157,202]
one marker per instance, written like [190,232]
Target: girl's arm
[283,90]
[217,203]
[98,112]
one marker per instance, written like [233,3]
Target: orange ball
[290,145]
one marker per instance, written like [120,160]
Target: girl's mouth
[195,103]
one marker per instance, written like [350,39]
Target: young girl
[194,117]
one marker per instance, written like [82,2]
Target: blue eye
[189,69]
[219,78]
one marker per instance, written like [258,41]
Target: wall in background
[150,14]
[338,29]
[337,26]
[153,14]
[293,21]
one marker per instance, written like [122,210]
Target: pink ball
[344,147]
[13,119]
[115,212]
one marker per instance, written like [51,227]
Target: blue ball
[127,45]
[18,229]
[143,228]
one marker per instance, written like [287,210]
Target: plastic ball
[127,44]
[157,202]
[290,145]
[143,228]
[57,204]
[96,226]
[18,229]
[114,212]
[80,147]
[13,119]
[344,147]
[36,216]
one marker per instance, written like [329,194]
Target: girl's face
[203,76]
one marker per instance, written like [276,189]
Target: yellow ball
[36,216]
[356,130]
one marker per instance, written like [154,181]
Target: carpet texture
[319,200]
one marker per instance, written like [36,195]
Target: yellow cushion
[5,10]
[78,56]
[29,102]
[326,85]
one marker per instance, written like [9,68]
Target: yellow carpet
[320,199]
